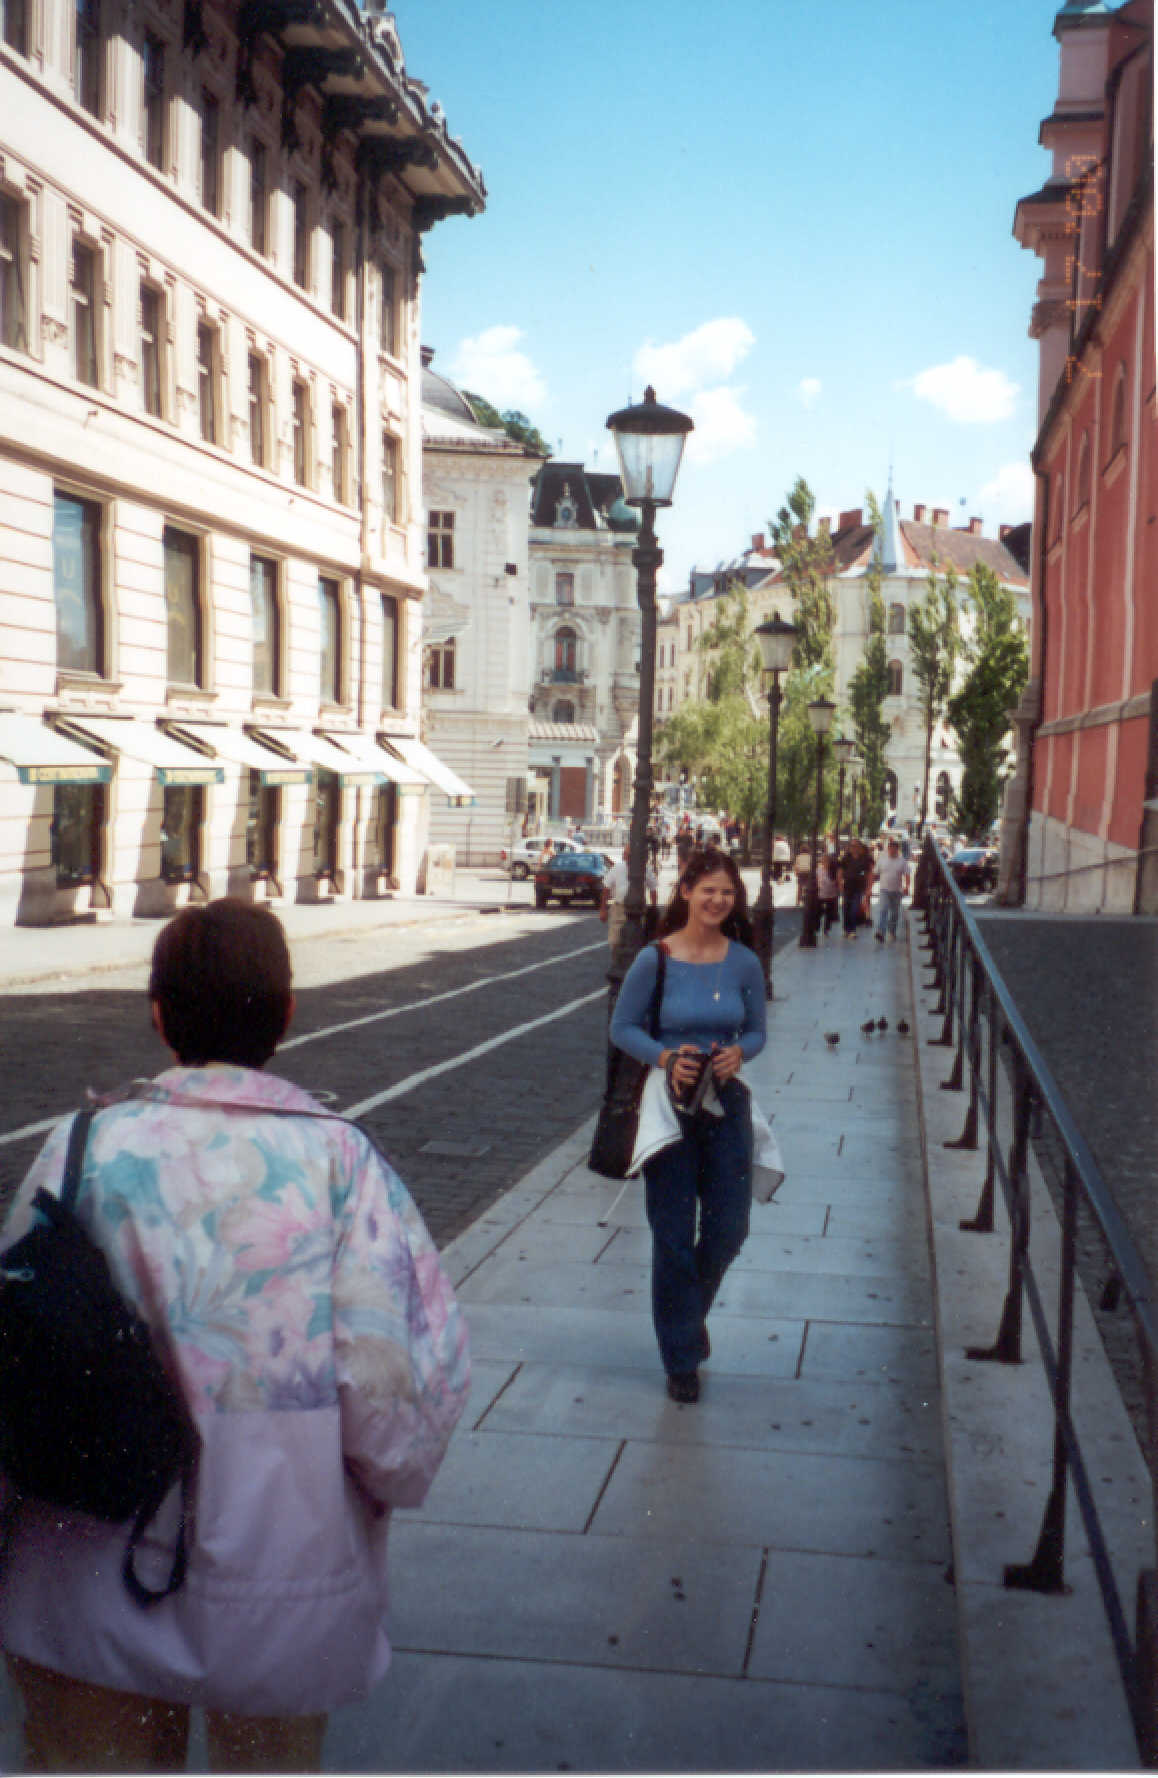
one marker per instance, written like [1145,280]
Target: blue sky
[792,215]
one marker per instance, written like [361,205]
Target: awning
[241,749]
[317,750]
[42,756]
[376,759]
[421,759]
[172,762]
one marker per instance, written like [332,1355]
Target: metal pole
[812,899]
[840,801]
[764,912]
[646,559]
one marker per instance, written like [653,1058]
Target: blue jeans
[853,901]
[889,917]
[708,1171]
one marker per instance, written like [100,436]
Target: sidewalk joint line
[803,1349]
[755,1618]
[477,1427]
[612,1467]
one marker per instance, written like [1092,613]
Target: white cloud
[1009,496]
[491,364]
[808,391]
[966,391]
[701,357]
[722,425]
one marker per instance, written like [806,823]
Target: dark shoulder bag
[90,1419]
[618,1123]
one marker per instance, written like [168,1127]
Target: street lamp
[845,751]
[649,441]
[820,715]
[777,640]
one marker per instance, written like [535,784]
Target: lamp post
[649,441]
[820,714]
[777,641]
[845,751]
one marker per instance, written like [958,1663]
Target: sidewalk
[603,1581]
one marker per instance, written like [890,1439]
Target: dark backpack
[90,1419]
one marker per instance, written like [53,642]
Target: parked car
[974,867]
[573,876]
[525,856]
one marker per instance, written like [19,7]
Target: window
[1118,412]
[340,462]
[258,384]
[13,298]
[301,433]
[896,620]
[183,606]
[78,813]
[563,712]
[388,284]
[689,638]
[891,789]
[440,540]
[1082,480]
[258,197]
[151,349]
[391,502]
[389,652]
[153,100]
[564,589]
[182,812]
[943,794]
[261,826]
[330,649]
[383,826]
[338,269]
[440,666]
[210,153]
[88,55]
[266,625]
[207,381]
[301,203]
[566,652]
[14,25]
[896,679]
[76,584]
[84,323]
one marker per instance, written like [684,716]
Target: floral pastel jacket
[297,1294]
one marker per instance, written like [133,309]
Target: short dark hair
[222,980]
[705,861]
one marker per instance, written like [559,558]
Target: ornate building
[212,534]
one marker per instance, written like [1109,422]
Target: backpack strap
[74,1160]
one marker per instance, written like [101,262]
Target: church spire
[888,549]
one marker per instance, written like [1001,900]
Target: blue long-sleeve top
[703,1003]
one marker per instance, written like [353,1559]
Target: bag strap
[655,1005]
[135,1587]
[74,1160]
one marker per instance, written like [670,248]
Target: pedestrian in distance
[828,892]
[710,1021]
[893,878]
[856,870]
[295,1295]
[613,905]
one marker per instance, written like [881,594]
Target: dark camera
[691,1094]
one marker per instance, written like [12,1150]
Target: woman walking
[711,1017]
[856,875]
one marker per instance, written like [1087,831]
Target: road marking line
[481,1049]
[40,1129]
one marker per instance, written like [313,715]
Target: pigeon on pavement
[882,1024]
[832,1038]
[869,1027]
[903,1027]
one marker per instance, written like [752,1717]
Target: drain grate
[456,1151]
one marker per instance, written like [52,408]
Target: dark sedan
[576,876]
[974,867]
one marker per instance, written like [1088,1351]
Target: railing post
[981,1222]
[1006,1349]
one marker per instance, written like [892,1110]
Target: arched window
[563,711]
[566,652]
[1082,480]
[891,790]
[896,679]
[1118,412]
[944,792]
[896,620]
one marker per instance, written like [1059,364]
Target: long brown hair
[704,862]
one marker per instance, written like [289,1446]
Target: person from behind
[893,880]
[293,1291]
[613,906]
[828,891]
[856,869]
[710,1021]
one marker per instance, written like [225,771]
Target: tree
[998,658]
[934,643]
[806,565]
[869,686]
[515,424]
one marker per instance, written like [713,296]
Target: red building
[1083,811]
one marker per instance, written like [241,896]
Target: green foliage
[934,646]
[806,564]
[734,665]
[725,748]
[512,422]
[869,687]
[999,667]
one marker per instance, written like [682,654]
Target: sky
[793,217]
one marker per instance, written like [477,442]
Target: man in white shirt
[613,907]
[892,878]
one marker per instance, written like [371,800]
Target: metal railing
[1010,1087]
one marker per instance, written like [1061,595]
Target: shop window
[266,625]
[261,827]
[388,318]
[150,349]
[153,101]
[383,828]
[301,433]
[14,25]
[440,666]
[208,359]
[440,540]
[896,620]
[339,301]
[896,679]
[389,652]
[327,814]
[84,314]
[78,814]
[330,649]
[183,607]
[391,494]
[258,407]
[564,589]
[77,585]
[210,165]
[258,197]
[88,56]
[13,273]
[302,234]
[340,454]
[182,812]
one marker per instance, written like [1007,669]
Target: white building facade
[212,537]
